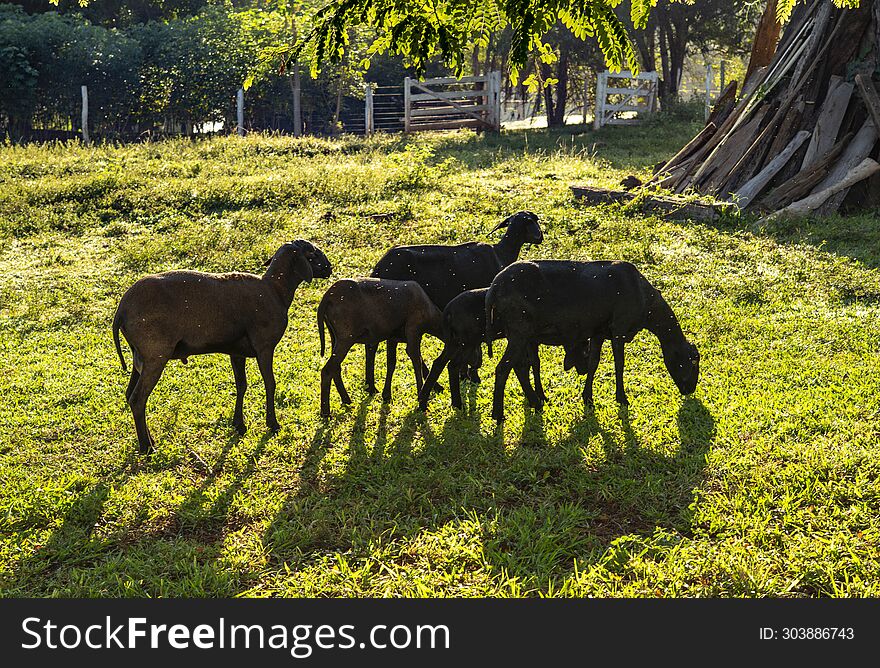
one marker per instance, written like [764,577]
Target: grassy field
[765,483]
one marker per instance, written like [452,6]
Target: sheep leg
[536,371]
[433,375]
[592,365]
[414,350]
[370,367]
[455,373]
[475,364]
[149,376]
[340,386]
[391,357]
[522,373]
[238,371]
[617,345]
[332,372]
[132,381]
[264,361]
[502,373]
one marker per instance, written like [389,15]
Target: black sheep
[444,272]
[464,328]
[573,302]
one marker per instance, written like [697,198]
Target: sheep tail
[116,326]
[322,314]
[490,319]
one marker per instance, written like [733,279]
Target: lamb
[369,311]
[446,271]
[464,327]
[581,304]
[176,314]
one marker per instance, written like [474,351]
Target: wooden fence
[447,103]
[639,96]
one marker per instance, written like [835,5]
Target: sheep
[464,327]
[369,311]
[581,304]
[446,271]
[175,314]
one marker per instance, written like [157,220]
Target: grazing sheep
[464,328]
[446,271]
[176,314]
[369,311]
[574,301]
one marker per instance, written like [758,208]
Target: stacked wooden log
[802,136]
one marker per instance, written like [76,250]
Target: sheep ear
[302,268]
[503,223]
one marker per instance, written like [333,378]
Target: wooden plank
[753,187]
[869,96]
[622,91]
[814,41]
[639,92]
[672,208]
[447,111]
[726,156]
[461,108]
[688,150]
[761,86]
[627,74]
[803,182]
[862,171]
[446,81]
[724,105]
[452,124]
[623,121]
[631,107]
[857,150]
[444,94]
[830,117]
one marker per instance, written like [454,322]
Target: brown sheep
[369,311]
[176,314]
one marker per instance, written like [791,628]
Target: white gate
[639,96]
[447,103]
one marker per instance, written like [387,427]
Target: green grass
[764,483]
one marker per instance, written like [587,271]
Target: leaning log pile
[801,138]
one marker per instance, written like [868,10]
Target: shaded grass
[764,483]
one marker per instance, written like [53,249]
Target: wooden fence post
[85,115]
[297,101]
[495,99]
[406,104]
[586,96]
[239,104]
[368,111]
[599,107]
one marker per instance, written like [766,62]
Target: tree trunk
[766,39]
[673,29]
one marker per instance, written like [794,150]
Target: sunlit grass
[765,483]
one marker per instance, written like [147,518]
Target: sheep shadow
[71,544]
[542,505]
[634,492]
